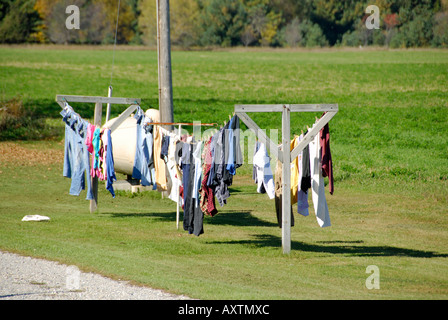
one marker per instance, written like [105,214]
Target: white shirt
[265,177]
[317,185]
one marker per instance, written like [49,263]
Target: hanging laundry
[305,172]
[109,162]
[96,143]
[222,178]
[229,152]
[164,156]
[317,184]
[207,198]
[89,137]
[193,215]
[185,165]
[76,156]
[159,163]
[294,172]
[197,172]
[143,167]
[221,175]
[235,157]
[164,147]
[104,142]
[279,195]
[327,163]
[264,176]
[211,176]
[173,171]
[302,196]
[254,168]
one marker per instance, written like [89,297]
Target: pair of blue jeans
[76,156]
[143,168]
[110,165]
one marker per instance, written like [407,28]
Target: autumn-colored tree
[263,20]
[441,29]
[403,23]
[44,7]
[147,21]
[98,21]
[184,25]
[336,17]
[127,16]
[18,21]
[222,22]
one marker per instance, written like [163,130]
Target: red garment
[181,194]
[326,161]
[89,137]
[207,201]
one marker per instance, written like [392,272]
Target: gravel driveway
[25,278]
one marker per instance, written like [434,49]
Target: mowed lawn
[389,143]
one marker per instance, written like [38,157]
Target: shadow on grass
[266,240]
[164,216]
[245,218]
[238,218]
[229,217]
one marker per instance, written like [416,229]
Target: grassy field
[390,148]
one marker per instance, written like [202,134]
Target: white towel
[265,178]
[317,185]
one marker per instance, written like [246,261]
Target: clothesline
[83,139]
[194,173]
[181,123]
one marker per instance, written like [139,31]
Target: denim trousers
[76,158]
[143,161]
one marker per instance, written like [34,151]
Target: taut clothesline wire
[182,123]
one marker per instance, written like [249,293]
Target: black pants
[278,210]
[193,215]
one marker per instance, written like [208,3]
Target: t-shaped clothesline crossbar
[283,151]
[134,103]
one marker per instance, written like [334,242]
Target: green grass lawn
[389,144]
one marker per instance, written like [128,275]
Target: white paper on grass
[35,217]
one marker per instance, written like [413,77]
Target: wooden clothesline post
[98,112]
[285,155]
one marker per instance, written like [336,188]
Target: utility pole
[164,62]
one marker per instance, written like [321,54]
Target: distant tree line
[226,23]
